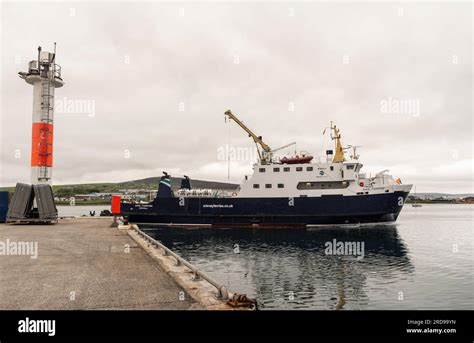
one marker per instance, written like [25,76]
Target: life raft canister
[361,184]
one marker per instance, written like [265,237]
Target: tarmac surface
[82,263]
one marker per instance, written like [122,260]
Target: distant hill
[152,183]
[441,195]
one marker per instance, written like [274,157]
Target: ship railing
[321,159]
[222,292]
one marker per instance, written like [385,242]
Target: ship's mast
[339,152]
[266,154]
[354,155]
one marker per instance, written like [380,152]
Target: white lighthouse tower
[45,75]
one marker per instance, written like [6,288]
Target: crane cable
[228,148]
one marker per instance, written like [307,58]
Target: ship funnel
[164,187]
[186,183]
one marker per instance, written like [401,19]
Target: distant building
[93,196]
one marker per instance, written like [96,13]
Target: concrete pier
[84,263]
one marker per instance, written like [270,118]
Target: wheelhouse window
[322,185]
[309,168]
[286,169]
[276,170]
[331,167]
[280,185]
[261,170]
[256,185]
[349,166]
[299,168]
[268,185]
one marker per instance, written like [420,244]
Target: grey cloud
[282,60]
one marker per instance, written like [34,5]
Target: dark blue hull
[281,212]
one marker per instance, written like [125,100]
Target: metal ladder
[47,107]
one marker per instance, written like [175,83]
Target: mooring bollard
[196,276]
[222,293]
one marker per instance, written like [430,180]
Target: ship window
[268,185]
[286,169]
[331,167]
[322,185]
[261,170]
[280,185]
[309,168]
[299,168]
[276,170]
[350,166]
[256,185]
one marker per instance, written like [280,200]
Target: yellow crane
[266,154]
[339,153]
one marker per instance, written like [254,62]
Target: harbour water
[81,210]
[425,261]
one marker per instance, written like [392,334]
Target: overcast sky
[147,85]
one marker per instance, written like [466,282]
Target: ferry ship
[297,191]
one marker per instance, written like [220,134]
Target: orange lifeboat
[296,159]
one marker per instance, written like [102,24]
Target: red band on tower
[42,145]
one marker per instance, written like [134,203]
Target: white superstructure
[297,176]
[316,179]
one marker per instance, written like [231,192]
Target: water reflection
[289,269]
